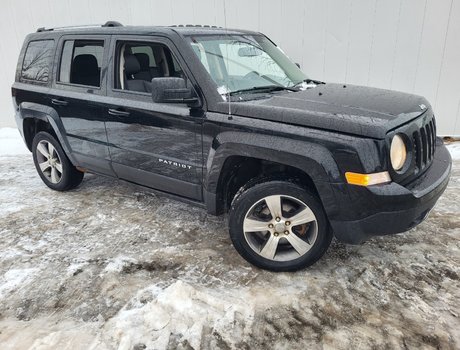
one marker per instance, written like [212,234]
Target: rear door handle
[118,112]
[58,102]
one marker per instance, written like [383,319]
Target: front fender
[312,159]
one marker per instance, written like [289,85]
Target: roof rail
[194,26]
[106,24]
[112,24]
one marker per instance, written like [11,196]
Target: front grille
[424,141]
[421,143]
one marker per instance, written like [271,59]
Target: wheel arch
[35,118]
[32,126]
[308,162]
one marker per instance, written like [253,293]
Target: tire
[52,164]
[300,237]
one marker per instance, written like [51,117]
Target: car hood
[351,109]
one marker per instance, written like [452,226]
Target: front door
[152,144]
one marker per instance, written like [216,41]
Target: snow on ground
[11,142]
[110,265]
[454,149]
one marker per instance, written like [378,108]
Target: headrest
[85,65]
[144,60]
[132,65]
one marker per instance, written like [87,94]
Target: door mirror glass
[172,90]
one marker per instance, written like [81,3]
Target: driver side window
[140,62]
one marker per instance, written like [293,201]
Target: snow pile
[14,278]
[118,264]
[48,333]
[454,149]
[183,312]
[11,142]
[75,268]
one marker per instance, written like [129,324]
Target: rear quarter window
[37,61]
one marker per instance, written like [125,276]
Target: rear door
[77,94]
[152,144]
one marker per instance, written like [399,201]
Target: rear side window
[81,62]
[37,61]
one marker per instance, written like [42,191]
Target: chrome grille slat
[417,149]
[429,141]
[433,136]
[424,145]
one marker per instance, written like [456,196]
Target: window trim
[133,92]
[99,90]
[50,67]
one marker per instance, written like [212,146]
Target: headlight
[398,152]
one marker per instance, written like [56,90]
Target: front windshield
[245,62]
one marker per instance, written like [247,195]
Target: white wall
[407,45]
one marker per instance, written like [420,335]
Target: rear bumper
[391,208]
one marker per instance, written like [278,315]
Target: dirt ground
[109,265]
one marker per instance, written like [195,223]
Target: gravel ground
[110,265]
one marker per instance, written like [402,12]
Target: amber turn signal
[367,179]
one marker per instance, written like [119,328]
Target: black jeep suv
[224,119]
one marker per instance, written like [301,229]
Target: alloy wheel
[49,161]
[280,228]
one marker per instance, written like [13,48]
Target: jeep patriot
[224,119]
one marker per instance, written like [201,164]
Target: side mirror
[172,90]
[298,65]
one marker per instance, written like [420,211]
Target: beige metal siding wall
[407,45]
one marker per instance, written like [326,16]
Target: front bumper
[391,208]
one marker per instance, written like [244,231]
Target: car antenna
[226,54]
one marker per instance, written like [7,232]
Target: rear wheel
[279,226]
[52,164]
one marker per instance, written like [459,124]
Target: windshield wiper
[266,88]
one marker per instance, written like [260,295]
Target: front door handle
[118,112]
[58,102]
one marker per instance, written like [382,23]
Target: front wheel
[52,164]
[279,226]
